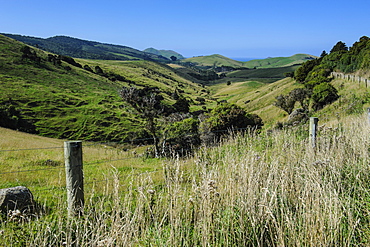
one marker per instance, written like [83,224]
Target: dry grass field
[270,189]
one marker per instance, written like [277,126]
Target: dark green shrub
[181,105]
[181,137]
[322,95]
[285,103]
[228,116]
[87,67]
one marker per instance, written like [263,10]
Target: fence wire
[98,162]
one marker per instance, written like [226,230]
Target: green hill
[165,53]
[79,48]
[215,60]
[62,97]
[72,98]
[275,62]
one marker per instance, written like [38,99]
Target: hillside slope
[215,60]
[79,48]
[274,62]
[39,93]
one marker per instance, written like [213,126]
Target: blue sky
[234,28]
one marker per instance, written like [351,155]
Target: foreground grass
[270,189]
[38,163]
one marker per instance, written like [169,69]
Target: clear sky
[233,28]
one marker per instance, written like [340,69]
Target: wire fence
[106,145]
[91,180]
[19,180]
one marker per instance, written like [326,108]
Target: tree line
[314,75]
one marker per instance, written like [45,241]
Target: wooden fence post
[313,130]
[74,177]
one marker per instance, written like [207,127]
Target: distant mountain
[165,53]
[275,62]
[78,48]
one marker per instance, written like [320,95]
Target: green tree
[228,116]
[322,95]
[340,46]
[302,72]
[181,136]
[181,105]
[358,46]
[323,54]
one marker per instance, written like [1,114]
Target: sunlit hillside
[62,97]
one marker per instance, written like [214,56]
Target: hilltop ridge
[218,60]
[79,48]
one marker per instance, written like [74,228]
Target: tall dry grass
[270,189]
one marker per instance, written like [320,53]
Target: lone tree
[147,102]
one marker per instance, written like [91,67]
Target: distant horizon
[238,29]
[238,58]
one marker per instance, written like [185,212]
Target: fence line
[127,141]
[62,167]
[101,143]
[95,181]
[75,206]
[348,77]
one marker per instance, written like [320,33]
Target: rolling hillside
[215,60]
[79,48]
[274,62]
[39,93]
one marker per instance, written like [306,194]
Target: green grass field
[64,101]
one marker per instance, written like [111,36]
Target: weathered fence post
[313,130]
[74,177]
[368,114]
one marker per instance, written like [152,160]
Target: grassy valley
[268,187]
[66,101]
